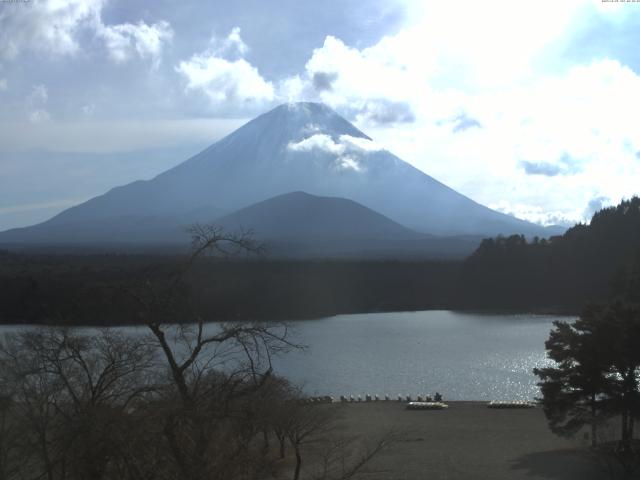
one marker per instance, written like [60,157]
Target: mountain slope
[294,147]
[301,225]
[304,217]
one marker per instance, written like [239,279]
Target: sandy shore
[468,441]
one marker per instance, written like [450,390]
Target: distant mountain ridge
[299,215]
[293,225]
[299,225]
[301,147]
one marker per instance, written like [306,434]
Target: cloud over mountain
[223,75]
[301,147]
[514,97]
[348,150]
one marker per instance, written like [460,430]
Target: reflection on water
[465,356]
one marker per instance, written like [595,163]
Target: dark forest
[592,262]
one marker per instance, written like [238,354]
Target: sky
[527,107]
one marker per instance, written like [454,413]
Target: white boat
[426,406]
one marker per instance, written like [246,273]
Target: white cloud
[231,46]
[357,78]
[318,141]
[345,143]
[39,116]
[536,213]
[126,40]
[36,104]
[538,140]
[465,46]
[348,151]
[359,144]
[57,27]
[292,89]
[3,84]
[226,80]
[88,109]
[349,163]
[222,79]
[596,204]
[48,26]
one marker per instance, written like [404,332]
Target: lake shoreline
[469,311]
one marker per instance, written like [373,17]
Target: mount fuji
[298,147]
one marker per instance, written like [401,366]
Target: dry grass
[467,441]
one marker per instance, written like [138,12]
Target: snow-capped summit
[297,120]
[303,147]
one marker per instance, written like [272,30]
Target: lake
[464,356]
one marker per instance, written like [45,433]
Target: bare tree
[306,423]
[317,439]
[212,368]
[71,393]
[10,433]
[185,400]
[342,457]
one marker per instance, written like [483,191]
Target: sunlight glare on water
[464,356]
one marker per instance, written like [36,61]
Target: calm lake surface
[464,356]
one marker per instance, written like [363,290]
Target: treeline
[589,263]
[91,290]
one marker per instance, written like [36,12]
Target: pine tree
[596,373]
